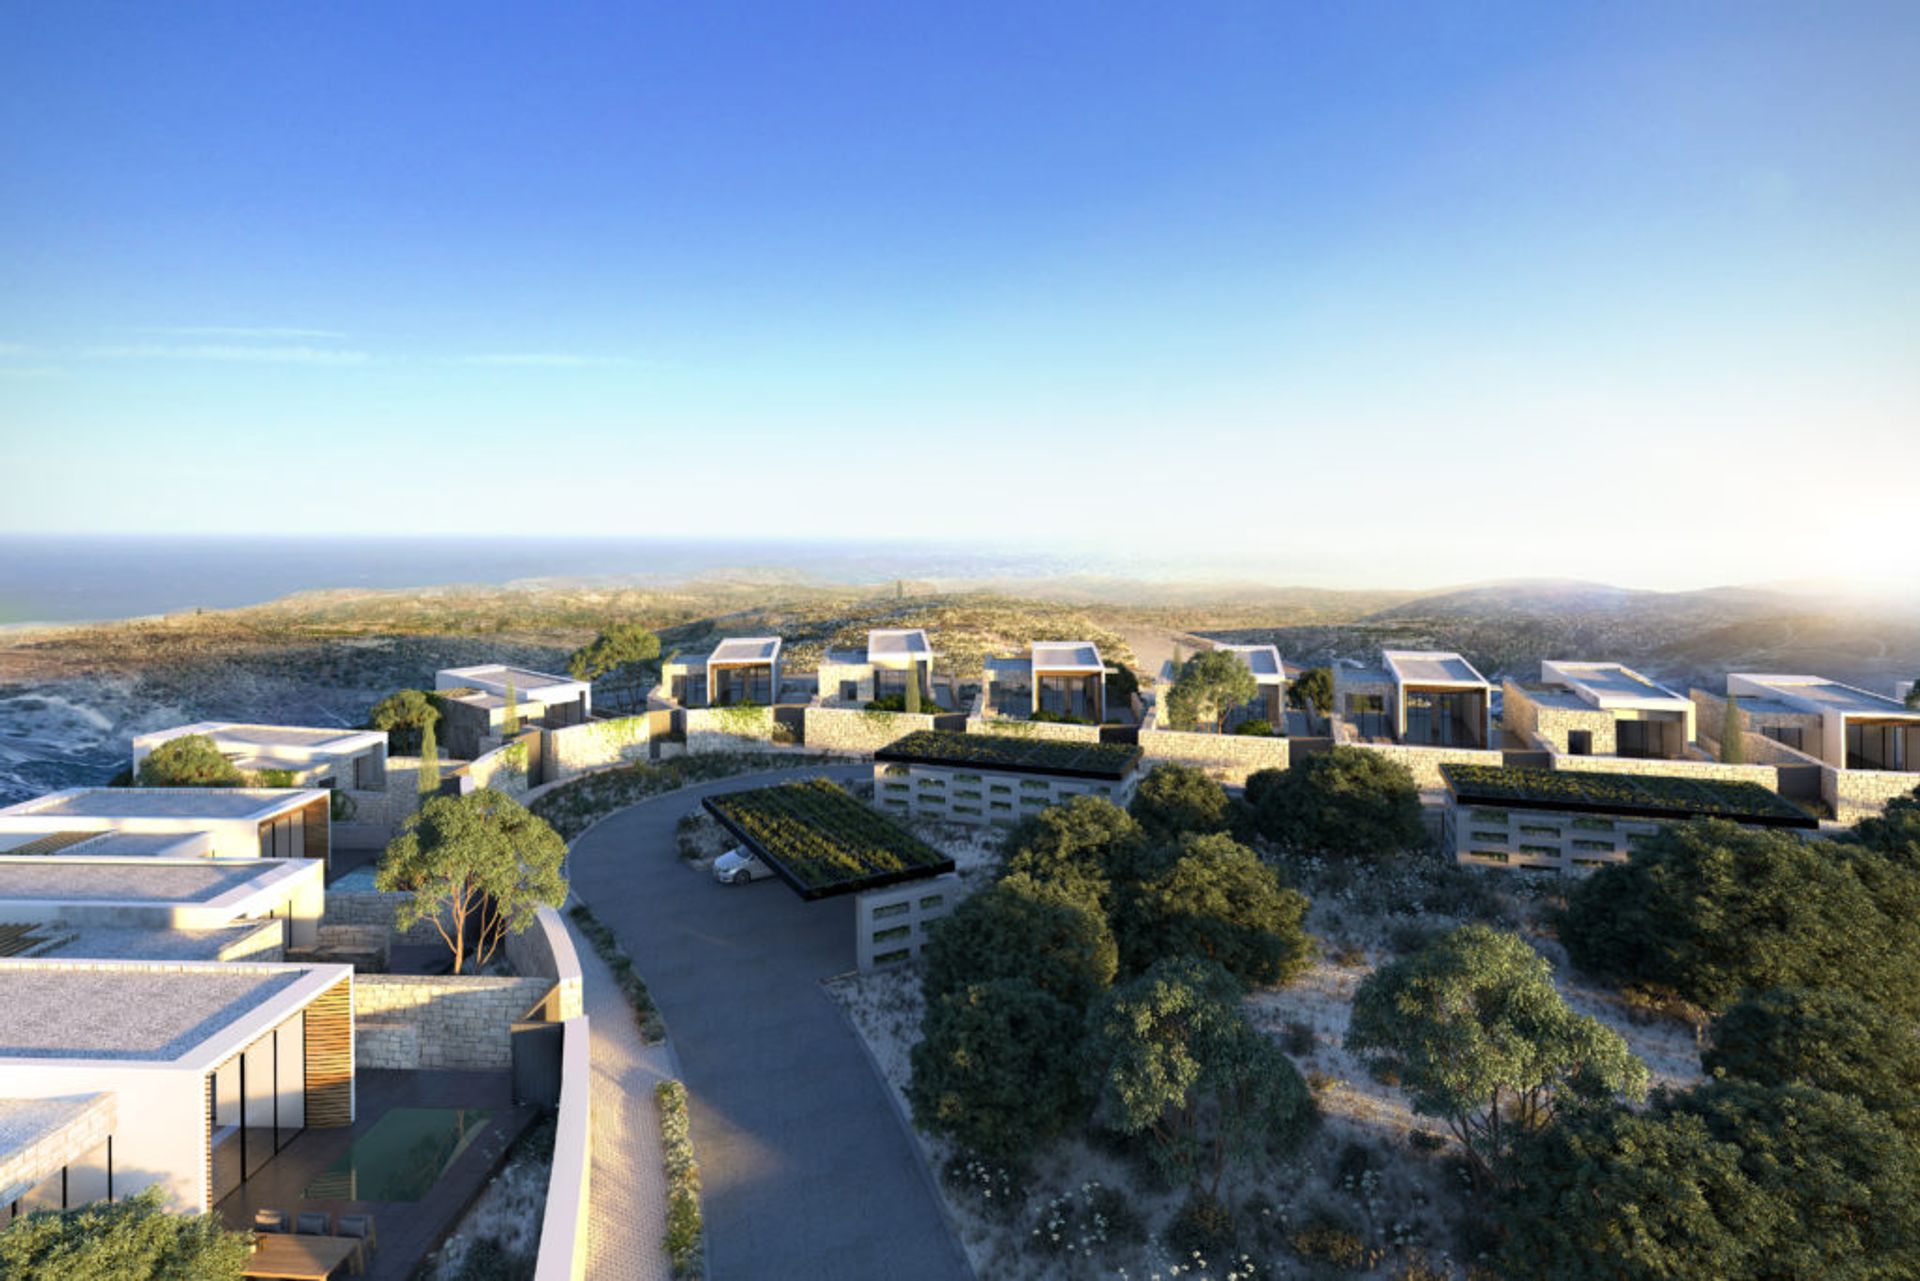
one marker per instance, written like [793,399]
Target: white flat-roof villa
[118,1075]
[1420,698]
[1867,745]
[740,669]
[174,822]
[473,703]
[159,908]
[892,657]
[1059,678]
[1599,709]
[345,758]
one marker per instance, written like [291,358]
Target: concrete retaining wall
[545,950]
[563,1226]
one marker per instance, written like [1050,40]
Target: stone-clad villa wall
[26,1167]
[457,1021]
[732,729]
[1549,726]
[853,729]
[1855,794]
[1231,758]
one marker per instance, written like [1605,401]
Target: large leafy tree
[1708,910]
[1825,1038]
[1218,900]
[625,653]
[1314,688]
[995,1068]
[1176,799]
[132,1239]
[1346,802]
[1208,686]
[1084,847]
[1175,1059]
[406,715]
[192,760]
[1482,1039]
[478,867]
[1023,929]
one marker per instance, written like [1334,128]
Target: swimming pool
[401,1156]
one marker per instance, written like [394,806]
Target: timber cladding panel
[329,1047]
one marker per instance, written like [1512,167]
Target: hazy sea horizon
[67,579]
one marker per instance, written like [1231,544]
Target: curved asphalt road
[807,1171]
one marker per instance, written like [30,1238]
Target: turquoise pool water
[401,1157]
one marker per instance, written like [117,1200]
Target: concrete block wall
[856,730]
[892,925]
[1517,837]
[1231,758]
[460,1021]
[576,749]
[977,797]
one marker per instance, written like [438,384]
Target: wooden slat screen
[329,1042]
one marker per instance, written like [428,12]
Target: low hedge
[686,1230]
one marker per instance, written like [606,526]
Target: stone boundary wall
[1548,726]
[1710,715]
[26,1168]
[1231,758]
[370,907]
[545,950]
[563,1225]
[1709,771]
[504,768]
[854,729]
[460,1021]
[1425,762]
[733,729]
[1855,794]
[580,749]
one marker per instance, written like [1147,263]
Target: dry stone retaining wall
[1231,758]
[853,729]
[577,749]
[1711,771]
[459,1021]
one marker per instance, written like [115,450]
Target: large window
[1878,745]
[1789,735]
[735,685]
[257,1104]
[1639,738]
[1439,719]
[284,837]
[1367,713]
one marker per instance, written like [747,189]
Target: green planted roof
[1013,752]
[1648,795]
[822,841]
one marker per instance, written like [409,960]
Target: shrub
[1021,929]
[995,1068]
[1325,1237]
[1173,800]
[646,1015]
[191,760]
[1345,802]
[685,1229]
[1255,727]
[1202,1228]
[1825,1038]
[403,714]
[133,1239]
[1217,900]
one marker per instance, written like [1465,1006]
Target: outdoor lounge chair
[314,1223]
[361,1226]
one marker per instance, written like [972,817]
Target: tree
[479,864]
[1708,909]
[1175,799]
[1825,1038]
[625,652]
[1082,847]
[1022,929]
[405,715]
[1175,1059]
[428,780]
[996,1070]
[132,1239]
[1733,733]
[1347,802]
[1482,1039]
[1122,684]
[1219,901]
[1314,689]
[192,760]
[510,716]
[1209,686]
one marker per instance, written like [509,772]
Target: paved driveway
[807,1171]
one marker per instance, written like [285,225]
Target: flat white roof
[1432,667]
[1613,685]
[1262,660]
[1066,656]
[52,838]
[493,678]
[1818,694]
[213,803]
[898,642]
[746,649]
[146,881]
[292,742]
[71,1009]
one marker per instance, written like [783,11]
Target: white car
[737,867]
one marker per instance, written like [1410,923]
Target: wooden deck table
[283,1256]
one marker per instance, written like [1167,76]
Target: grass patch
[685,1229]
[645,1014]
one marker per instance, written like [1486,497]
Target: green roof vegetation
[822,841]
[1012,752]
[1646,795]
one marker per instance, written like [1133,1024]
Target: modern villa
[997,779]
[473,703]
[159,908]
[892,659]
[174,822]
[1418,698]
[1270,674]
[1867,745]
[1064,679]
[349,759]
[117,1075]
[742,669]
[1598,709]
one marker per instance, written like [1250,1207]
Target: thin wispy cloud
[548,359]
[263,355]
[240,331]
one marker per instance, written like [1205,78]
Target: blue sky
[1358,294]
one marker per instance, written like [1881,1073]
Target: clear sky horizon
[1367,295]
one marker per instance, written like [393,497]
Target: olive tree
[406,715]
[1481,1039]
[1314,689]
[625,652]
[192,760]
[1208,686]
[478,867]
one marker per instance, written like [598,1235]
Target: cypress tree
[429,760]
[510,723]
[1733,731]
[913,691]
